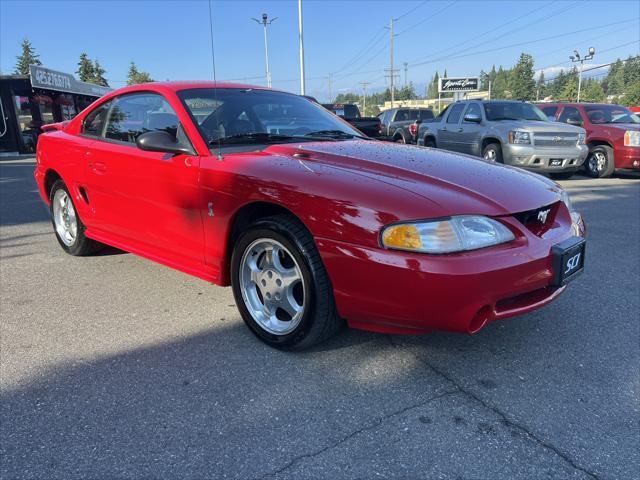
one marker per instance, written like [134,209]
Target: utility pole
[364,100]
[577,58]
[406,67]
[330,95]
[302,89]
[264,22]
[391,70]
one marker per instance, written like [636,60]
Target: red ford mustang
[309,222]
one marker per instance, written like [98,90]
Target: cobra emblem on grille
[542,215]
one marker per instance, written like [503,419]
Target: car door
[449,130]
[470,136]
[148,200]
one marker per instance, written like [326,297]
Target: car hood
[454,184]
[538,126]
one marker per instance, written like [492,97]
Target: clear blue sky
[170,39]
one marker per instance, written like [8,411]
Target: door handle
[461,130]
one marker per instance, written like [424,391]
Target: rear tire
[285,297]
[562,175]
[399,140]
[493,152]
[67,226]
[429,142]
[600,162]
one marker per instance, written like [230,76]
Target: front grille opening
[539,220]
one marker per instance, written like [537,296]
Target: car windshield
[610,114]
[234,115]
[513,111]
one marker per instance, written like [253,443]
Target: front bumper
[627,157]
[399,292]
[539,159]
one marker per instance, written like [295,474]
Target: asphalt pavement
[112,366]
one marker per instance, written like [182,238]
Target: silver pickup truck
[511,132]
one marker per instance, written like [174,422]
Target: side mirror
[161,141]
[472,118]
[574,121]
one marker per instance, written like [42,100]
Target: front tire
[493,152]
[600,162]
[67,226]
[280,285]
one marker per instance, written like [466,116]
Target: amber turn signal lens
[402,236]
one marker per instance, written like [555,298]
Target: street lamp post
[577,58]
[264,22]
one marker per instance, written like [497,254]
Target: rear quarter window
[94,122]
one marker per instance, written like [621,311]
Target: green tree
[569,92]
[86,70]
[98,75]
[136,76]
[541,87]
[521,82]
[615,78]
[592,91]
[632,94]
[26,58]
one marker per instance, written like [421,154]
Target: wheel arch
[488,140]
[50,177]
[399,134]
[429,136]
[245,216]
[598,142]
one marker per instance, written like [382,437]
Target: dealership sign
[458,84]
[48,79]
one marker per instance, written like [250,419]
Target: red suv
[613,134]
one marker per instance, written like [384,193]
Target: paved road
[114,367]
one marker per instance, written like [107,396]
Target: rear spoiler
[52,127]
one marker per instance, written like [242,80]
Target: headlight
[566,200]
[582,138]
[455,234]
[516,136]
[632,138]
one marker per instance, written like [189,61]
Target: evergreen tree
[136,76]
[541,87]
[615,78]
[26,58]
[632,94]
[86,71]
[98,75]
[592,91]
[521,82]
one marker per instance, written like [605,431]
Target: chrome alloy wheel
[272,286]
[490,155]
[64,218]
[597,162]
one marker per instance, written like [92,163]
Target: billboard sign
[458,84]
[48,79]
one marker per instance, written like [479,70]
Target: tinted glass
[229,112]
[425,114]
[550,112]
[474,109]
[610,114]
[570,115]
[138,113]
[94,122]
[496,111]
[456,112]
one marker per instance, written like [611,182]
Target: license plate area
[568,260]
[555,162]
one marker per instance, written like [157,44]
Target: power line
[450,4]
[411,10]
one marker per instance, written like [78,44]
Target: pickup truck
[370,126]
[401,124]
[613,134]
[511,132]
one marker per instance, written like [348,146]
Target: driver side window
[137,113]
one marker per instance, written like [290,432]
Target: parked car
[401,124]
[510,132]
[613,134]
[308,221]
[370,126]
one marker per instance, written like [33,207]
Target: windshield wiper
[337,134]
[255,137]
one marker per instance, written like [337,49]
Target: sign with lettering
[48,79]
[458,84]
